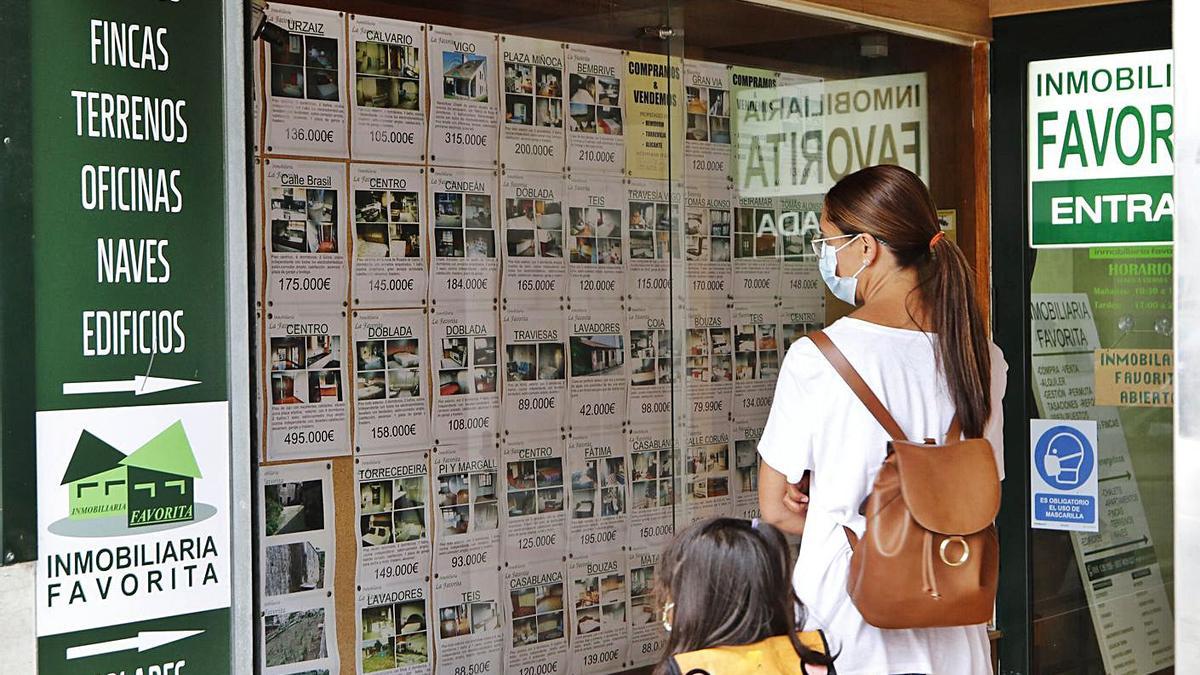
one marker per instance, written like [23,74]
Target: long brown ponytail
[891,204]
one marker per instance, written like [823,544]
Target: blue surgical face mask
[843,288]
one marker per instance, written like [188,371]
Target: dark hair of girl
[731,585]
[891,204]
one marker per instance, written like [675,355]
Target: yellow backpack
[773,656]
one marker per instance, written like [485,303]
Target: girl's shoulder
[772,655]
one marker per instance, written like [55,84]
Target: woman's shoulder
[850,335]
[804,360]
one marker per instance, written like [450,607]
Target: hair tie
[937,238]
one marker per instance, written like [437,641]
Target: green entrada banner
[133,438]
[1101,150]
[1103,211]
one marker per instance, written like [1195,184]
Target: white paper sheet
[305,233]
[596,110]
[307,385]
[391,380]
[305,79]
[389,224]
[388,90]
[463,115]
[532,124]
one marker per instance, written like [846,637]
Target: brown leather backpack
[929,556]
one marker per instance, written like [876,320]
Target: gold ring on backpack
[966,551]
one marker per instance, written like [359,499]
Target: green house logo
[151,486]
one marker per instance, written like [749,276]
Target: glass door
[1083,305]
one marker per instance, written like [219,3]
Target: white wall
[1187,336]
[18,646]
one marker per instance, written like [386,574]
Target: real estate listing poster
[596,126]
[706,471]
[596,237]
[802,309]
[653,114]
[393,516]
[466,509]
[797,321]
[258,414]
[463,118]
[647,639]
[257,56]
[651,363]
[535,368]
[394,563]
[534,263]
[531,129]
[755,358]
[708,364]
[309,415]
[306,247]
[756,99]
[393,628]
[297,554]
[798,224]
[306,94]
[535,524]
[708,240]
[651,486]
[466,588]
[598,383]
[755,249]
[466,262]
[708,134]
[653,224]
[388,114]
[537,616]
[391,380]
[745,466]
[599,491]
[389,236]
[778,133]
[599,613]
[470,627]
[463,352]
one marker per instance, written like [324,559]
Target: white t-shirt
[818,423]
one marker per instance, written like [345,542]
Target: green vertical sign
[134,570]
[1101,150]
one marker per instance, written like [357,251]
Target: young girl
[727,603]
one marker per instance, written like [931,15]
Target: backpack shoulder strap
[859,386]
[954,433]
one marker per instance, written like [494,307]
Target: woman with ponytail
[918,339]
